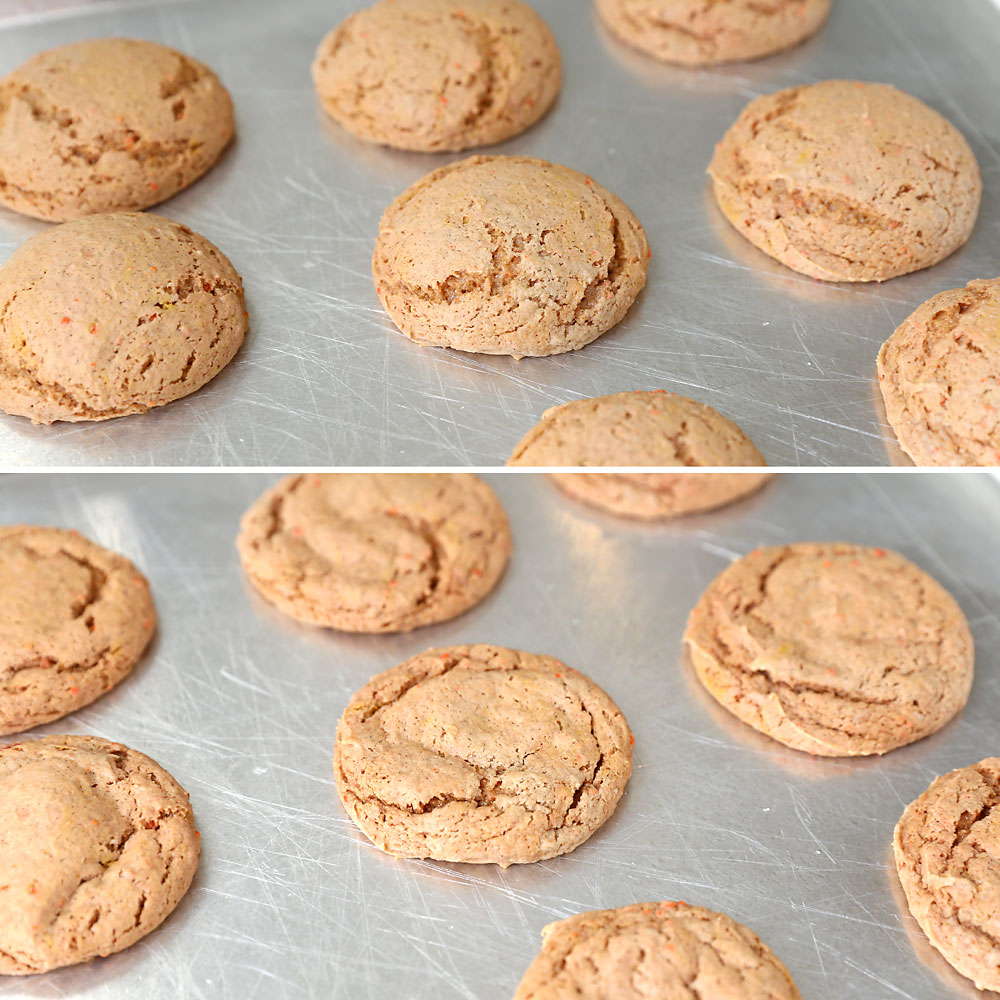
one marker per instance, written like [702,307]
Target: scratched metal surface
[324,379]
[241,704]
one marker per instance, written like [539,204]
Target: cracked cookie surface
[97,847]
[703,32]
[112,315]
[74,620]
[375,552]
[106,125]
[940,378]
[947,850]
[438,75]
[831,648]
[508,255]
[481,754]
[847,181]
[659,495]
[654,951]
[635,428]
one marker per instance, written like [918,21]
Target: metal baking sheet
[325,379]
[241,705]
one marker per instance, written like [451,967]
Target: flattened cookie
[696,33]
[97,847]
[940,378]
[435,75]
[483,755]
[114,314]
[659,495]
[74,620]
[374,552]
[832,648]
[847,181]
[667,950]
[635,428]
[508,255]
[106,125]
[947,848]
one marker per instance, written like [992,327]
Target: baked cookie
[696,33]
[437,75]
[74,620]
[940,378]
[635,428]
[832,648]
[670,951]
[375,552]
[106,125]
[947,848]
[114,314]
[847,181]
[97,847]
[508,255]
[654,496]
[483,755]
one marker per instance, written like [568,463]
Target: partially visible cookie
[106,125]
[696,33]
[112,315]
[635,428]
[668,950]
[375,552]
[508,255]
[438,75]
[847,181]
[74,620]
[835,649]
[97,847]
[659,495]
[483,755]
[940,378]
[947,848]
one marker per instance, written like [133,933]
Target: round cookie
[835,649]
[947,849]
[114,314]
[632,429]
[696,33]
[483,755]
[668,950]
[940,378]
[74,620]
[438,75]
[97,847]
[847,181]
[106,125]
[654,496]
[375,552]
[508,255]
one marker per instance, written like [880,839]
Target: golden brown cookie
[434,75]
[107,125]
[659,495]
[700,33]
[832,648]
[114,314]
[847,181]
[74,620]
[666,951]
[97,847]
[940,378]
[375,552]
[483,755]
[947,848]
[508,255]
[635,428]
